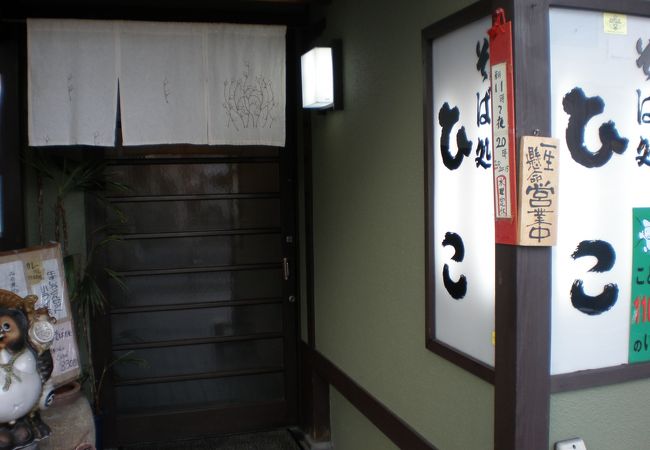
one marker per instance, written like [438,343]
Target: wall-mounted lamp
[321,77]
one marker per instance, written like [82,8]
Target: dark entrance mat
[270,440]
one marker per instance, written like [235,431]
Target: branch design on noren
[249,101]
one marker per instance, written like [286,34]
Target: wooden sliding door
[206,259]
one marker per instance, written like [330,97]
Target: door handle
[285,268]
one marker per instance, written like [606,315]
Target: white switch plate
[571,444]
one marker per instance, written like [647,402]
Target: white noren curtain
[179,83]
[72,78]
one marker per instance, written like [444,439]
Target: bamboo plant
[64,176]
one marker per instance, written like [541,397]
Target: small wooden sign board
[538,191]
[39,271]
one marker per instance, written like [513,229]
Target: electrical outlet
[571,444]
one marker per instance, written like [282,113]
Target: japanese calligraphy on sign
[640,298]
[600,110]
[39,271]
[501,144]
[462,199]
[503,130]
[538,191]
[50,290]
[12,278]
[34,272]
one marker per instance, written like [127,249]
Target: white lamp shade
[317,78]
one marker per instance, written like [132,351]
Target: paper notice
[50,290]
[12,278]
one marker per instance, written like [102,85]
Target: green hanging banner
[640,292]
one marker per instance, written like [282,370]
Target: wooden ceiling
[251,11]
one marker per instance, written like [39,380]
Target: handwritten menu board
[39,271]
[600,111]
[463,200]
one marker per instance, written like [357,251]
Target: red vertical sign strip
[503,130]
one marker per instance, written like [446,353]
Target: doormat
[270,440]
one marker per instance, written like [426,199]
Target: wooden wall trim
[472,365]
[599,377]
[398,431]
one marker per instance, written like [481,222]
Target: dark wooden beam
[290,12]
[523,274]
[315,399]
[599,377]
[11,134]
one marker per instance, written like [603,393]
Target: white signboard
[39,271]
[600,109]
[463,203]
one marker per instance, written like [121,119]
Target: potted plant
[58,177]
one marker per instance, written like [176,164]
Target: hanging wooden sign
[538,191]
[503,129]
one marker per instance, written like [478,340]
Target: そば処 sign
[463,202]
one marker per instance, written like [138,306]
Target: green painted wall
[351,430]
[607,418]
[369,232]
[369,254]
